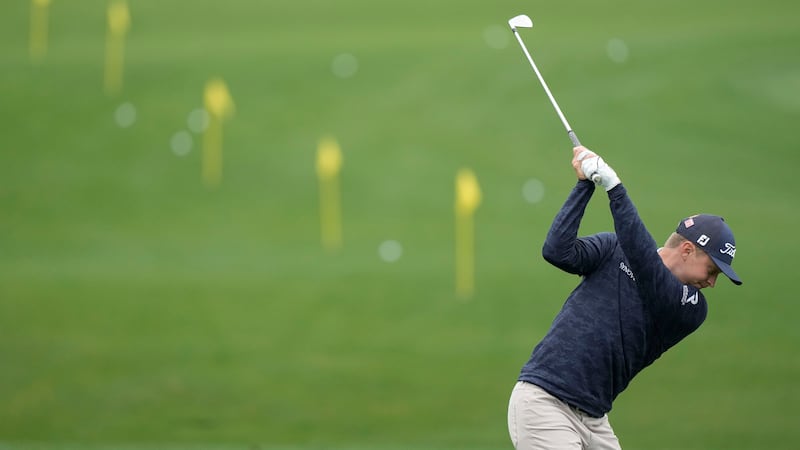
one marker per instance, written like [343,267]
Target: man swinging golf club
[634,302]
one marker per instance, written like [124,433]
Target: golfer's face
[701,271]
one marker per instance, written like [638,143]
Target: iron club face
[520,21]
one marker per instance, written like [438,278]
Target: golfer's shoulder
[607,238]
[603,243]
[682,314]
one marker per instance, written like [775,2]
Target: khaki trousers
[539,421]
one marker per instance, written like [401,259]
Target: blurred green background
[140,309]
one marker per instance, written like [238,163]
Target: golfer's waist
[573,405]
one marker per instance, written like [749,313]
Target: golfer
[634,301]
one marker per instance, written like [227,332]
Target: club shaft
[570,133]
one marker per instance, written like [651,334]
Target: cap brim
[727,270]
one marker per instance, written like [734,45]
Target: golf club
[523,21]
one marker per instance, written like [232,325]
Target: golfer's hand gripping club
[595,168]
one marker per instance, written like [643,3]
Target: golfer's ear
[687,248]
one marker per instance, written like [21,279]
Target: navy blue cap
[715,237]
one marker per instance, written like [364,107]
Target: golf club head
[520,21]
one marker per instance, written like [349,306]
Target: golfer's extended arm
[652,276]
[562,247]
[655,282]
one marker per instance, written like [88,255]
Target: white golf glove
[597,170]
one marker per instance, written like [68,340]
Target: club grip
[576,143]
[573,138]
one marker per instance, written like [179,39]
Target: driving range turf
[140,309]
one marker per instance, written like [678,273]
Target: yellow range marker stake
[329,164]
[468,198]
[119,22]
[219,105]
[38,44]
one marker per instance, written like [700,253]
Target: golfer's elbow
[555,255]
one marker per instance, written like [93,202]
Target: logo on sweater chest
[627,271]
[693,299]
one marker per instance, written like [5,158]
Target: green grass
[140,310]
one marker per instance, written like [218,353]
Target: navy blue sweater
[627,310]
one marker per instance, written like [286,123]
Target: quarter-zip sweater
[626,312]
